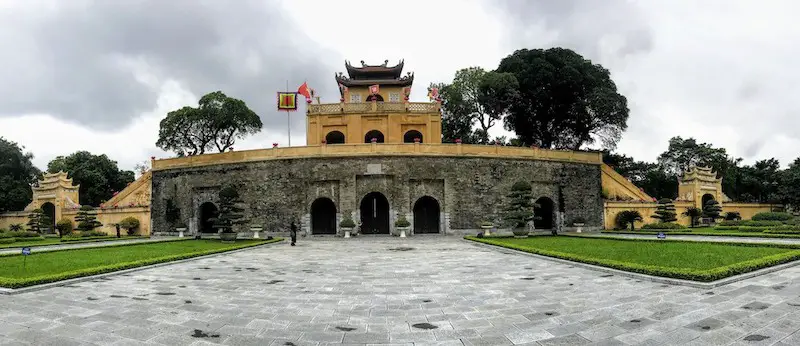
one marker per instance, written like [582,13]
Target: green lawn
[19,271]
[708,231]
[22,242]
[698,261]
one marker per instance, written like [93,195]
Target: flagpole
[289,118]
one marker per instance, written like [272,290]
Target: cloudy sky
[100,75]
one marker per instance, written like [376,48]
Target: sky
[100,75]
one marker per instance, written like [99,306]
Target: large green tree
[98,176]
[565,101]
[216,124]
[17,175]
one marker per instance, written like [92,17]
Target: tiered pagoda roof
[367,75]
[704,174]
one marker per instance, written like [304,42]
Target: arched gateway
[323,216]
[426,215]
[374,214]
[208,211]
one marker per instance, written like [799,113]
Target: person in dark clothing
[293,233]
[117,226]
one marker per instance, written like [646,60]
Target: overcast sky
[100,75]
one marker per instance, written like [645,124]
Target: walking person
[293,233]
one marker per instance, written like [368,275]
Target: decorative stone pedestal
[579,226]
[402,231]
[255,231]
[180,231]
[347,231]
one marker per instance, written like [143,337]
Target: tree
[130,224]
[98,176]
[650,177]
[665,211]
[38,221]
[87,219]
[17,175]
[683,154]
[456,122]
[789,188]
[519,208]
[230,214]
[564,100]
[712,210]
[64,227]
[694,214]
[628,217]
[217,123]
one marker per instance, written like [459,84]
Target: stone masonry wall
[467,189]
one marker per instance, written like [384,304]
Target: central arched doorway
[409,136]
[374,214]
[426,215]
[334,137]
[208,211]
[373,134]
[707,197]
[323,216]
[543,213]
[49,210]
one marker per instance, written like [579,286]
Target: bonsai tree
[87,219]
[628,217]
[733,215]
[665,211]
[519,208]
[130,224]
[694,214]
[230,213]
[64,226]
[402,222]
[712,210]
[347,221]
[38,221]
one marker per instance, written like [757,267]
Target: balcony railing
[374,107]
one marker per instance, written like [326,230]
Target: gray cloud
[70,61]
[578,25]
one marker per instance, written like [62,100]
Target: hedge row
[18,283]
[677,273]
[715,233]
[663,225]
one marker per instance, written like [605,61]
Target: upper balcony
[374,107]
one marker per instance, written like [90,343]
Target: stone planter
[255,231]
[579,226]
[487,230]
[521,232]
[347,231]
[228,237]
[403,231]
[180,231]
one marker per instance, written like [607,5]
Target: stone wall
[468,189]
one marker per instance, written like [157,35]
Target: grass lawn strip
[22,242]
[680,259]
[709,233]
[46,248]
[60,265]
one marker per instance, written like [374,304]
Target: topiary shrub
[772,216]
[663,225]
[130,224]
[84,234]
[753,228]
[87,219]
[665,211]
[732,223]
[23,234]
[230,214]
[712,210]
[347,222]
[764,223]
[64,227]
[733,215]
[7,240]
[518,210]
[402,222]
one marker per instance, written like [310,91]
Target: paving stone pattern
[418,291]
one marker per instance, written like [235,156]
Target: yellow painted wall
[619,188]
[647,209]
[15,217]
[355,120]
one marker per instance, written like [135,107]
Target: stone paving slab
[391,291]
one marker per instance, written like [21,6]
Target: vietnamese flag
[303,90]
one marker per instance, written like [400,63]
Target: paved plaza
[413,291]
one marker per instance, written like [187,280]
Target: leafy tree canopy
[98,176]
[216,124]
[17,175]
[565,101]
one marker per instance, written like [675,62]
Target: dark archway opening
[334,137]
[374,214]
[373,134]
[208,211]
[707,197]
[543,213]
[375,97]
[426,215]
[323,216]
[410,135]
[50,211]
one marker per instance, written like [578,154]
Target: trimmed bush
[753,228]
[772,216]
[732,223]
[765,223]
[726,228]
[130,224]
[7,240]
[663,225]
[23,234]
[64,227]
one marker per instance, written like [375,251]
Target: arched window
[373,134]
[411,135]
[334,137]
[375,97]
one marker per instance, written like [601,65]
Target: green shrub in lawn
[689,260]
[764,223]
[753,228]
[663,225]
[783,231]
[65,264]
[772,216]
[24,234]
[732,223]
[7,240]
